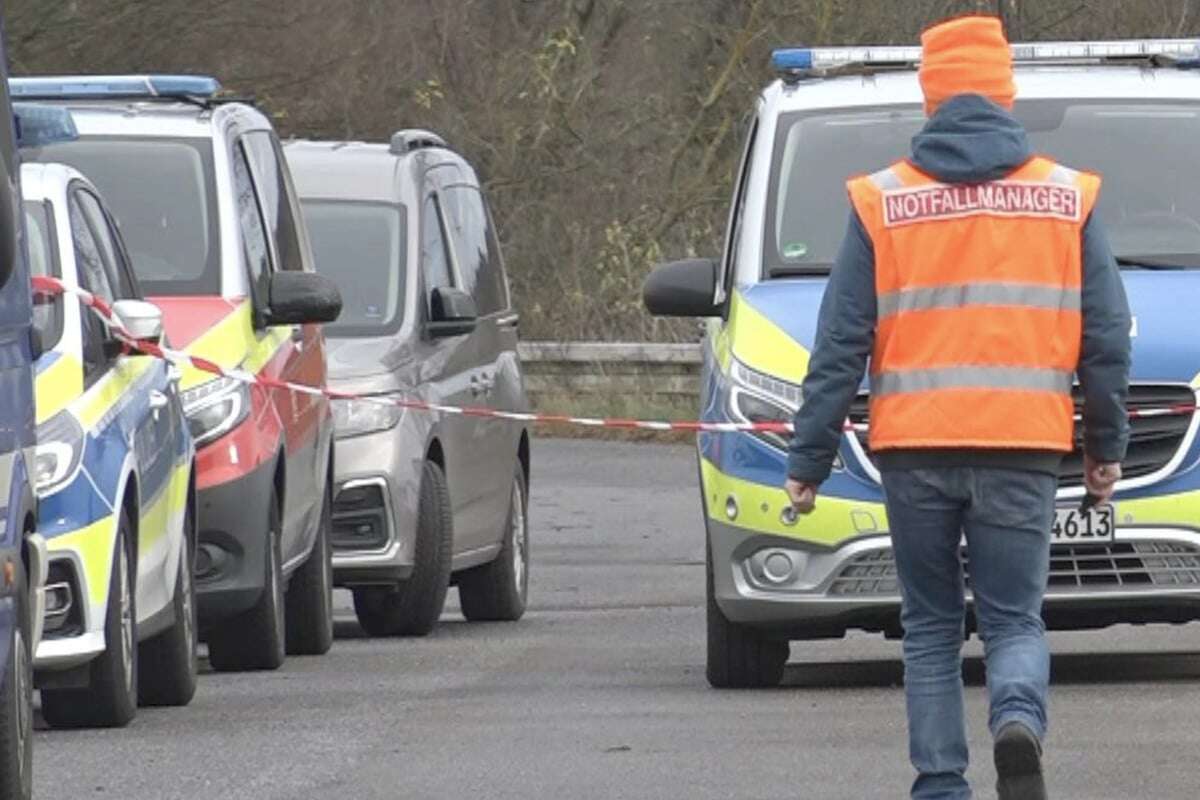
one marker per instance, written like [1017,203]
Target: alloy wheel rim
[24,713]
[126,620]
[520,536]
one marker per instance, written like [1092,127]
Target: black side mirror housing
[452,312]
[300,298]
[682,289]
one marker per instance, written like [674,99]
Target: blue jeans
[1006,516]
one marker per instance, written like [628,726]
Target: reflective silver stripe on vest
[886,179]
[979,294]
[1001,378]
[1063,175]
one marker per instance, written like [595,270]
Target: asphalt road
[600,693]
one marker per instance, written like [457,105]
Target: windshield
[161,192]
[43,261]
[359,246]
[1146,153]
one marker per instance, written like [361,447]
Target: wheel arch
[523,454]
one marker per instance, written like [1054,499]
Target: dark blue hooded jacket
[968,140]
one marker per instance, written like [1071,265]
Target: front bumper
[231,555]
[1149,575]
[378,483]
[78,573]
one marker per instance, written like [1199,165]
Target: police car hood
[774,325]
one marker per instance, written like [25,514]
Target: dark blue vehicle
[22,551]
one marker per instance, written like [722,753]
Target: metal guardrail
[611,369]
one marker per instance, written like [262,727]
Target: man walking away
[976,279]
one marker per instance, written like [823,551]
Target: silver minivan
[423,500]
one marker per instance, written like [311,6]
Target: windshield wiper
[1160,262]
[814,269]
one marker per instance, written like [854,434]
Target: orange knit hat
[966,55]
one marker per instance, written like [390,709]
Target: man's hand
[1100,479]
[803,495]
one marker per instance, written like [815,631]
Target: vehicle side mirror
[143,320]
[682,289]
[300,298]
[452,312]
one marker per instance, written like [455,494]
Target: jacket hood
[970,140]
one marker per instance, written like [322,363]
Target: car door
[138,386]
[303,361]
[447,367]
[495,379]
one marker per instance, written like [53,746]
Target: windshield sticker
[997,199]
[795,250]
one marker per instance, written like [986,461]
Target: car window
[361,246]
[250,221]
[92,277]
[275,193]
[106,243]
[733,236]
[88,259]
[435,261]
[162,193]
[477,264]
[496,270]
[43,261]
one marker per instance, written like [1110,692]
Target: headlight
[758,397]
[360,417]
[58,453]
[215,408]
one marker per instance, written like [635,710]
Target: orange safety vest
[979,290]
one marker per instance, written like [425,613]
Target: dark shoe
[1018,755]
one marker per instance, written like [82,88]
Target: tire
[110,701]
[254,639]
[413,608]
[498,591]
[739,657]
[309,609]
[16,704]
[168,662]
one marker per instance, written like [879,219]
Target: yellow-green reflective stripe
[759,343]
[1029,379]
[58,386]
[94,546]
[979,294]
[760,510]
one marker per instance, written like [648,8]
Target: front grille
[360,519]
[1153,441]
[1132,565]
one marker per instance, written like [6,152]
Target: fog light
[209,560]
[731,508]
[789,516]
[777,567]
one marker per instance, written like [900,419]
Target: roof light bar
[38,126]
[799,62]
[99,87]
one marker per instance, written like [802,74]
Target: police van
[1128,110]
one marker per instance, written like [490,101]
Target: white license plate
[1096,525]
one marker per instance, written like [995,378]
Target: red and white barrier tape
[52,286]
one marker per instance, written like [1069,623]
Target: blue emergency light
[99,87]
[802,62]
[38,126]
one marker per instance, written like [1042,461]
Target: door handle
[158,401]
